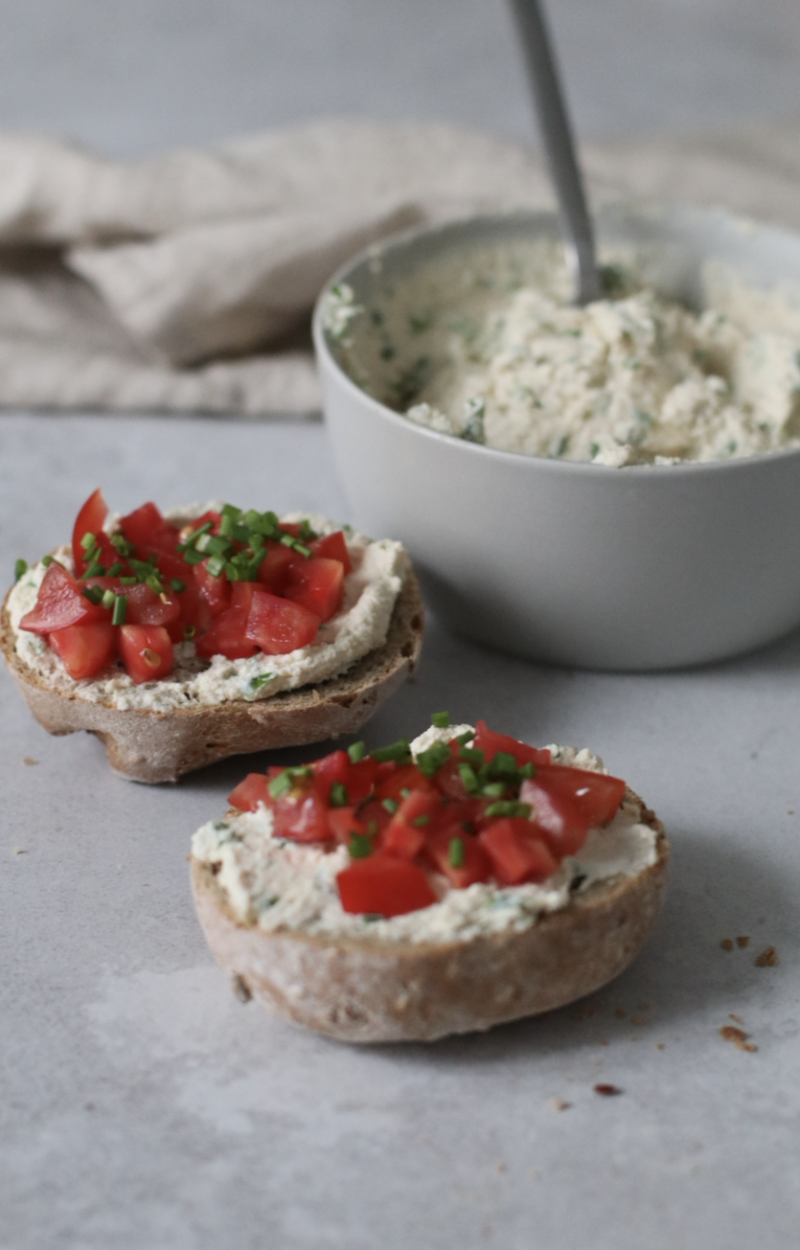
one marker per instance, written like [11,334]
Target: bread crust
[371,991]
[152,746]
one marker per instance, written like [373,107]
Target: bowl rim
[404,238]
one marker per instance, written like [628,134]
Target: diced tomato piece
[490,742]
[191,527]
[361,778]
[59,604]
[274,568]
[402,840]
[141,524]
[404,777]
[561,822]
[278,626]
[195,615]
[317,584]
[333,547]
[301,815]
[291,527]
[145,607]
[227,635]
[448,780]
[85,649]
[476,865]
[146,651]
[89,520]
[596,795]
[515,853]
[343,823]
[250,792]
[216,590]
[374,817]
[384,885]
[331,768]
[414,819]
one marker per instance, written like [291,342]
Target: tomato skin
[145,607]
[490,742]
[361,778]
[562,824]
[404,777]
[331,768]
[383,885]
[89,520]
[250,792]
[343,823]
[146,652]
[226,635]
[86,649]
[215,590]
[278,626]
[477,864]
[143,523]
[333,547]
[317,584]
[60,603]
[301,815]
[516,854]
[596,795]
[274,568]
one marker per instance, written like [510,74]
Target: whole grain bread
[373,991]
[151,746]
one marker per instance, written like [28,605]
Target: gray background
[142,1105]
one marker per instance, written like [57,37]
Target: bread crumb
[729,1033]
[659,1045]
[608,1091]
[640,1020]
[502,1167]
[790,812]
[738,1019]
[623,1015]
[559,1104]
[726,944]
[742,941]
[26,759]
[767,959]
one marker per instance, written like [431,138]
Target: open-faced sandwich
[436,887]
[211,631]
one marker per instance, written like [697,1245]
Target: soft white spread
[490,351]
[277,884]
[360,626]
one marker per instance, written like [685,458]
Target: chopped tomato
[146,651]
[89,520]
[317,584]
[140,525]
[60,603]
[490,742]
[86,649]
[343,823]
[406,777]
[274,568]
[516,854]
[250,792]
[463,865]
[384,885]
[216,590]
[145,607]
[301,815]
[561,822]
[333,547]
[596,795]
[278,626]
[362,778]
[227,635]
[332,768]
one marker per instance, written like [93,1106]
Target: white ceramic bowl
[581,564]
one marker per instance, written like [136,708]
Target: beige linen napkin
[185,282]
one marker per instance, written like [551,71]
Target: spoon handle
[560,149]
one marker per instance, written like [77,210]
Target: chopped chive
[468,778]
[115,570]
[155,583]
[281,784]
[390,805]
[230,511]
[466,737]
[88,541]
[302,550]
[95,570]
[398,751]
[455,854]
[195,534]
[360,846]
[193,557]
[108,599]
[255,682]
[441,720]
[47,561]
[215,565]
[419,821]
[120,610]
[189,632]
[287,540]
[430,761]
[177,585]
[20,568]
[471,755]
[129,581]
[94,594]
[202,543]
[338,795]
[528,770]
[218,546]
[494,790]
[509,807]
[503,763]
[356,752]
[404,793]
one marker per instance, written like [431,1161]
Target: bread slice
[366,990]
[152,746]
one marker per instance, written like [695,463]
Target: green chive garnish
[20,568]
[356,751]
[255,682]
[95,570]
[398,751]
[390,805]
[177,585]
[115,570]
[88,541]
[47,561]
[94,594]
[471,756]
[108,599]
[419,821]
[509,807]
[189,632]
[360,846]
[468,778]
[503,763]
[281,784]
[129,581]
[441,720]
[120,610]
[430,761]
[455,854]
[494,790]
[338,795]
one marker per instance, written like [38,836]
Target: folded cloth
[185,282]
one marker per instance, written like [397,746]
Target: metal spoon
[560,149]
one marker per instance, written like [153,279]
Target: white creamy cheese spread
[361,625]
[280,885]
[486,347]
